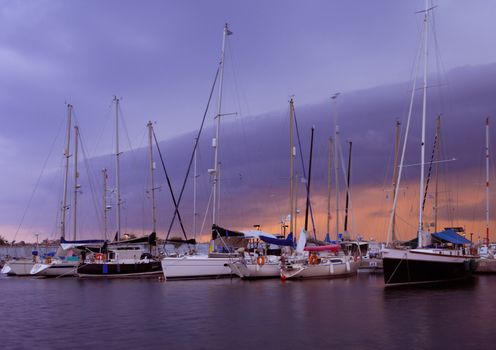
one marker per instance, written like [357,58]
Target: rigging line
[176,210]
[304,171]
[170,185]
[91,182]
[37,182]
[404,141]
[128,139]
[102,130]
[206,211]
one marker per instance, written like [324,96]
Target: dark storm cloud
[254,152]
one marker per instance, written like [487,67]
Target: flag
[228,32]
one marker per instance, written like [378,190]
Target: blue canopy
[451,236]
[288,241]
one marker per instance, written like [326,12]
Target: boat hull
[403,267]
[65,269]
[372,265]
[253,270]
[120,270]
[192,267]
[21,267]
[323,270]
[486,266]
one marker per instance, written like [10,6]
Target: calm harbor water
[231,313]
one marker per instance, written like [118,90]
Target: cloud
[254,164]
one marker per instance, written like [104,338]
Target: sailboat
[257,262]
[424,264]
[128,258]
[58,264]
[487,263]
[316,261]
[22,266]
[216,263]
[62,264]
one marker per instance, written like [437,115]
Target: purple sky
[160,57]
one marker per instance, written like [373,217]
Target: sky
[160,58]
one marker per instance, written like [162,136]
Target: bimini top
[450,236]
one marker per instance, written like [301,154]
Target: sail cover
[450,236]
[322,248]
[287,242]
[218,231]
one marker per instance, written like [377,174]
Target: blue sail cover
[451,236]
[287,242]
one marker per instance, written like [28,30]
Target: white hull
[253,270]
[326,269]
[21,267]
[196,266]
[55,269]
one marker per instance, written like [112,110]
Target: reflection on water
[226,313]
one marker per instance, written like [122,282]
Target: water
[353,313]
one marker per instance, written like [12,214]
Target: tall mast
[329,176]
[487,181]
[215,141]
[309,179]
[422,143]
[152,175]
[195,177]
[76,176]
[347,190]
[336,162]
[291,167]
[105,209]
[66,170]
[117,168]
[395,176]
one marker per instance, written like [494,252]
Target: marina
[175,216]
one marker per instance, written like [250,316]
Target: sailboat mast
[215,141]
[329,176]
[395,175]
[66,170]
[309,179]
[422,143]
[117,168]
[291,167]
[347,190]
[487,181]
[152,175]
[105,177]
[76,176]
[336,162]
[195,178]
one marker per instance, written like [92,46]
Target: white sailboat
[327,261]
[210,265]
[257,263]
[423,264]
[319,261]
[61,265]
[21,266]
